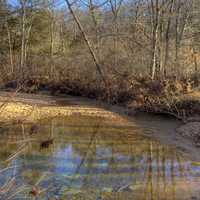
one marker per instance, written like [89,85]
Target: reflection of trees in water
[9,185]
[161,163]
[130,159]
[165,175]
[21,146]
[156,188]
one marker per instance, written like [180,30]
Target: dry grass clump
[171,96]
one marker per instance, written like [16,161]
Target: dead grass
[20,112]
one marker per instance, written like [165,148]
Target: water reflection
[92,159]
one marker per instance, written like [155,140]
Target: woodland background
[133,45]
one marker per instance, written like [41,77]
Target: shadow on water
[91,158]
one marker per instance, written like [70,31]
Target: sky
[61,3]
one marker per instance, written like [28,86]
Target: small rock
[191,129]
[131,112]
[193,198]
[34,128]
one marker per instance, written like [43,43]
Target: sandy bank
[31,108]
[11,112]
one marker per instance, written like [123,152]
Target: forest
[140,53]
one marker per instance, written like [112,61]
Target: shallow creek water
[92,158]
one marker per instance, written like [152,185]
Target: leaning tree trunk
[88,43]
[10,49]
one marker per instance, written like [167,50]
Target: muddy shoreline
[41,106]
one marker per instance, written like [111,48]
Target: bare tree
[23,35]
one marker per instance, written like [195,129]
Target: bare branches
[87,41]
[141,36]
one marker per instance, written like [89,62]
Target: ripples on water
[91,158]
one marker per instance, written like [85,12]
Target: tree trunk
[23,21]
[155,26]
[89,45]
[52,46]
[155,50]
[167,39]
[10,48]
